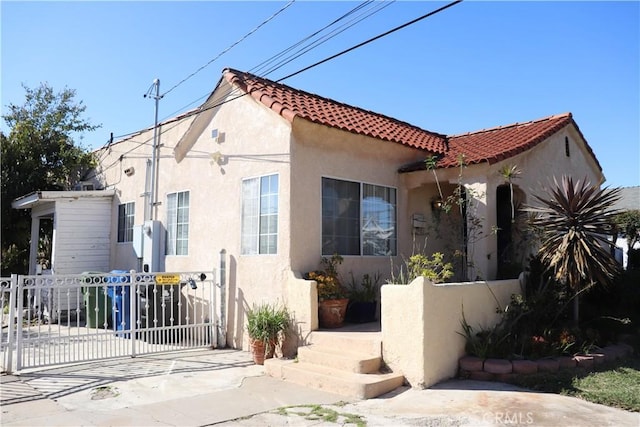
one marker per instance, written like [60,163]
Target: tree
[38,154]
[575,223]
[627,223]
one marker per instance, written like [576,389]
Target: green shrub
[433,268]
[265,321]
[366,290]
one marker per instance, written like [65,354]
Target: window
[358,219]
[178,223]
[126,213]
[566,147]
[260,215]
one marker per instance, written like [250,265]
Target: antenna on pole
[155,86]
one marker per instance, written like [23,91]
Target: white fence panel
[92,316]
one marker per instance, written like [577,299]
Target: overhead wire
[359,45]
[240,40]
[259,67]
[217,103]
[420,18]
[342,17]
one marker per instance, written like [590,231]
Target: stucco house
[277,178]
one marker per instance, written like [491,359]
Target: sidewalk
[224,387]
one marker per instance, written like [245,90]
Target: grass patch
[615,384]
[323,413]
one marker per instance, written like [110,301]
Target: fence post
[213,317]
[222,271]
[19,308]
[11,342]
[133,295]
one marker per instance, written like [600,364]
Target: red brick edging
[476,368]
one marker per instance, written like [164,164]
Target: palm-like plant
[575,223]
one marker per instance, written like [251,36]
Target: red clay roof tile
[493,145]
[487,145]
[500,143]
[290,102]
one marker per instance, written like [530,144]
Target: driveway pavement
[224,387]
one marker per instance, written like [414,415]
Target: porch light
[436,204]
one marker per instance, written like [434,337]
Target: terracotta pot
[257,351]
[331,312]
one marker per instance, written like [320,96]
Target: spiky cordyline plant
[575,222]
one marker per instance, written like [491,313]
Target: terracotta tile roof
[290,102]
[487,145]
[499,143]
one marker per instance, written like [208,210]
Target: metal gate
[75,318]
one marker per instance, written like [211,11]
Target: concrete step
[337,358]
[349,384]
[367,343]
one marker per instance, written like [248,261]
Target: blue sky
[475,65]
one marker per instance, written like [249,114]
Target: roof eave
[32,199]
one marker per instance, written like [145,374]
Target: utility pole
[154,153]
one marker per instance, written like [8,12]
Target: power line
[217,103]
[332,34]
[313,45]
[230,47]
[336,55]
[283,52]
[310,36]
[261,65]
[393,30]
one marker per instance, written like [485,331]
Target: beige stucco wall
[301,299]
[254,142]
[421,321]
[539,167]
[319,151]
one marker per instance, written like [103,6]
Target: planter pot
[258,348]
[361,311]
[331,313]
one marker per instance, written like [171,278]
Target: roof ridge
[333,101]
[495,128]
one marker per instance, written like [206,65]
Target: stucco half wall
[421,324]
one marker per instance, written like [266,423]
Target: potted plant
[265,323]
[363,299]
[332,297]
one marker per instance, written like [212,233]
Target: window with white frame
[260,215]
[178,223]
[358,218]
[126,213]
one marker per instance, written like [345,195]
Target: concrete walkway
[224,387]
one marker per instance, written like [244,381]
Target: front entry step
[349,384]
[346,363]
